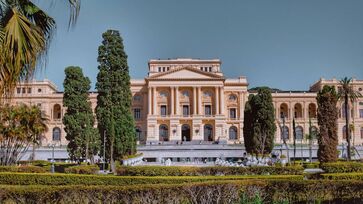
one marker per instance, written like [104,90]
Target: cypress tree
[78,119]
[259,124]
[115,121]
[327,100]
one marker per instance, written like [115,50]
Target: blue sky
[285,44]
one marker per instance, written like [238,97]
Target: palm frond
[74,6]
[23,43]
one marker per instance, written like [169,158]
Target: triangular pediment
[186,73]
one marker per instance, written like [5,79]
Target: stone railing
[133,161]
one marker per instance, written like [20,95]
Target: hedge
[83,169]
[342,167]
[269,191]
[207,171]
[343,176]
[73,179]
[27,169]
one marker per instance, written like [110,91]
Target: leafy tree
[259,124]
[347,94]
[25,34]
[20,127]
[115,122]
[79,121]
[327,99]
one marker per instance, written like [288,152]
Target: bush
[342,167]
[343,176]
[25,169]
[311,165]
[83,169]
[207,171]
[73,179]
[267,191]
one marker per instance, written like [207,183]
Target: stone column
[176,100]
[222,100]
[172,100]
[149,101]
[154,101]
[216,95]
[194,101]
[200,101]
[241,105]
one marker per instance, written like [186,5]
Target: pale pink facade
[190,100]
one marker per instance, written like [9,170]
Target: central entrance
[185,133]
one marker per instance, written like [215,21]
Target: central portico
[190,100]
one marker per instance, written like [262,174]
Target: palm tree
[347,94]
[25,34]
[37,126]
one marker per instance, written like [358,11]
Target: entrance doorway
[186,132]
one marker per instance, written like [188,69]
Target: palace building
[191,101]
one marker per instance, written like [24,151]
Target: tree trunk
[112,162]
[347,126]
[87,152]
[33,152]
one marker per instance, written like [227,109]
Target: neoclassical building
[191,101]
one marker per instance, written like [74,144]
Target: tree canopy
[327,99]
[115,121]
[259,123]
[79,120]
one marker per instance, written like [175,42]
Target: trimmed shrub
[25,169]
[73,179]
[311,165]
[342,167]
[343,176]
[207,171]
[83,169]
[268,191]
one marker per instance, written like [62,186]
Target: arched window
[299,133]
[208,94]
[344,132]
[208,132]
[314,132]
[232,97]
[138,134]
[312,110]
[284,110]
[56,134]
[233,133]
[163,133]
[298,112]
[57,112]
[285,133]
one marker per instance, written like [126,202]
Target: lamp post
[52,167]
[104,150]
[284,137]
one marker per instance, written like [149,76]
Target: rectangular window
[361,113]
[137,113]
[361,132]
[207,110]
[18,90]
[232,113]
[210,69]
[159,69]
[29,90]
[163,110]
[185,110]
[23,90]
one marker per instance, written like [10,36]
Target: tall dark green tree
[327,99]
[259,123]
[84,140]
[115,121]
[348,94]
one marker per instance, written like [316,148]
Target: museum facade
[191,101]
